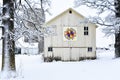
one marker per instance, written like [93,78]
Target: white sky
[59,6]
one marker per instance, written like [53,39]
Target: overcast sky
[59,6]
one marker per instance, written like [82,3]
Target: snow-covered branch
[100,5]
[29,16]
[108,7]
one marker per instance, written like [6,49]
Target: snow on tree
[14,27]
[111,21]
[8,57]
[33,18]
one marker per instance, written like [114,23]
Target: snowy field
[31,67]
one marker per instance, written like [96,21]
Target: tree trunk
[117,35]
[41,45]
[8,56]
[41,42]
[117,45]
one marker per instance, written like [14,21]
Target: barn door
[66,54]
[74,54]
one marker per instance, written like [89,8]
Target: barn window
[85,30]
[50,49]
[70,12]
[89,49]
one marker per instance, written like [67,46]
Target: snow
[105,67]
[102,40]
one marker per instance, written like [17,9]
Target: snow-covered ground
[31,67]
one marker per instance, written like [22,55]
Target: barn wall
[71,50]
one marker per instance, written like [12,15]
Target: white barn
[73,41]
[26,47]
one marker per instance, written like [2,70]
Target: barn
[74,38]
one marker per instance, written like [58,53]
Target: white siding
[71,50]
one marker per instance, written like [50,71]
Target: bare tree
[8,31]
[14,27]
[33,18]
[111,21]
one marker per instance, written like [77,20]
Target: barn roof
[66,12]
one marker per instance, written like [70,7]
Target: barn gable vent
[70,11]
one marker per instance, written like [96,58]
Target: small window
[70,12]
[50,49]
[85,33]
[85,30]
[89,49]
